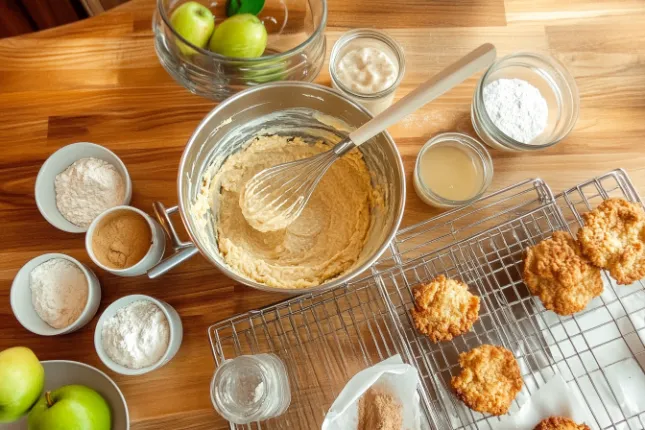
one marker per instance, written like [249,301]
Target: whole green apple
[195,23]
[21,381]
[241,36]
[72,407]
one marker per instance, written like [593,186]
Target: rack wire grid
[326,338]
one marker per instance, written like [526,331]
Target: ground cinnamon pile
[121,239]
[378,409]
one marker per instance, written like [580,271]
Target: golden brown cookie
[560,423]
[489,380]
[556,271]
[613,238]
[444,308]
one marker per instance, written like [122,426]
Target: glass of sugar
[251,388]
[525,102]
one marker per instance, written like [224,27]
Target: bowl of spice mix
[525,102]
[78,182]
[125,241]
[54,294]
[137,334]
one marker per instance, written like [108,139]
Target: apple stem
[48,396]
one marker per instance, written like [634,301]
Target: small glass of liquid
[251,388]
[452,169]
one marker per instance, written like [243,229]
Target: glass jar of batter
[367,66]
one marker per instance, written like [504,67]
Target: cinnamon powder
[378,409]
[121,239]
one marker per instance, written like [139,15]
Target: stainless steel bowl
[288,108]
[295,49]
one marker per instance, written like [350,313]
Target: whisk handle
[443,81]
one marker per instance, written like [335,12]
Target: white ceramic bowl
[152,257]
[57,163]
[24,311]
[59,373]
[174,323]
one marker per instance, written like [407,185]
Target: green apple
[241,36]
[195,23]
[72,407]
[272,70]
[21,381]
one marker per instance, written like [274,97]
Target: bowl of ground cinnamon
[125,241]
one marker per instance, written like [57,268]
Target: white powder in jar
[86,189]
[517,108]
[58,292]
[137,335]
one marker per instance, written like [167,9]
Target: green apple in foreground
[21,381]
[72,407]
[241,36]
[195,23]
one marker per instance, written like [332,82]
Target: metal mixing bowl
[295,48]
[288,108]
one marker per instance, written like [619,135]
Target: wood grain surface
[99,80]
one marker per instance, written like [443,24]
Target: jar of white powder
[525,102]
[137,334]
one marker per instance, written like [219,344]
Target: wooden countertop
[99,80]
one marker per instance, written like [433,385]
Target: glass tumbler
[251,388]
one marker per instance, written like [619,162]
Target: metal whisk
[275,197]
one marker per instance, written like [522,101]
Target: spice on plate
[121,239]
[137,335]
[58,292]
[86,189]
[379,409]
[517,108]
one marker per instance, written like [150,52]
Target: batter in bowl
[322,243]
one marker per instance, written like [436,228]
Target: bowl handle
[183,250]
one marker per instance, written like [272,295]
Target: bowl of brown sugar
[125,241]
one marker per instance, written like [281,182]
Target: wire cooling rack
[326,338]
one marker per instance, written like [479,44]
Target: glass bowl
[295,49]
[556,85]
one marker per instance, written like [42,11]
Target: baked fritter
[560,423]
[489,380]
[444,308]
[613,238]
[556,271]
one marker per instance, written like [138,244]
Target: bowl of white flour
[137,334]
[54,294]
[78,182]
